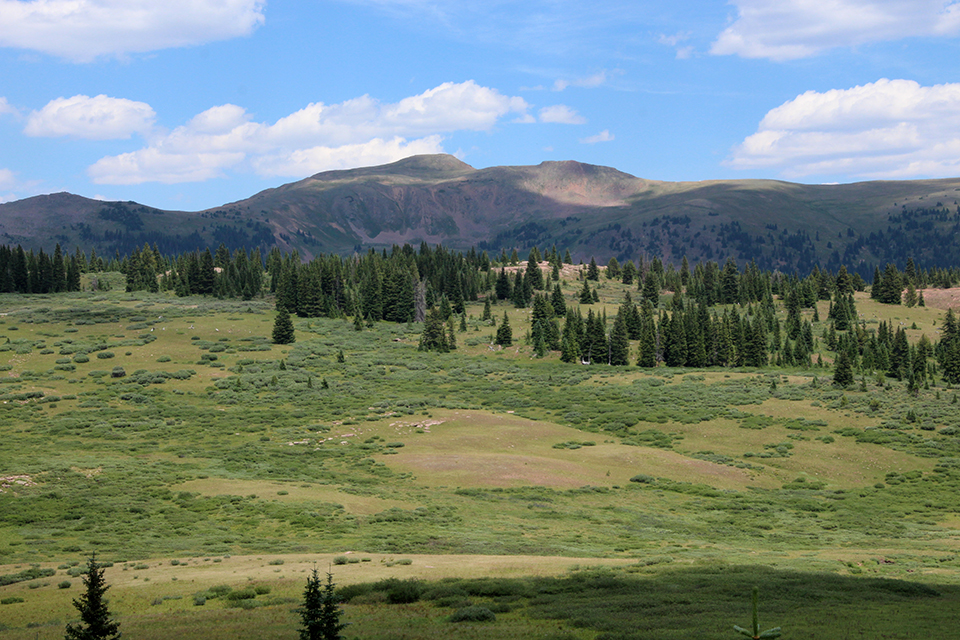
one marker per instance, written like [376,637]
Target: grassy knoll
[171,436]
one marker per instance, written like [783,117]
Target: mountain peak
[435,166]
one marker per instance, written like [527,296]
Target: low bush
[473,613]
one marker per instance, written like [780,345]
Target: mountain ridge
[592,210]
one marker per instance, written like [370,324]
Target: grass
[469,465]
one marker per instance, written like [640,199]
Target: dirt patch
[941,298]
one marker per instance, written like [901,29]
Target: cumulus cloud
[561,114]
[84,30]
[5,107]
[603,136]
[886,129]
[7,179]
[377,151]
[357,132]
[97,118]
[787,30]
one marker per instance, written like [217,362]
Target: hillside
[593,211]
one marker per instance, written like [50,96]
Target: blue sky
[188,104]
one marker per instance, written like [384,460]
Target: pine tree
[586,296]
[283,328]
[320,613]
[95,622]
[593,271]
[504,332]
[434,336]
[619,344]
[843,373]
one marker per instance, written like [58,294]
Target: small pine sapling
[755,631]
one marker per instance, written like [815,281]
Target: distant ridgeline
[404,284]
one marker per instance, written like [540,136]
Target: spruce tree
[95,622]
[320,612]
[586,296]
[283,328]
[843,373]
[504,332]
[593,271]
[434,335]
[619,344]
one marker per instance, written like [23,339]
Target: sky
[190,104]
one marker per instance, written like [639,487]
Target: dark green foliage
[95,622]
[619,344]
[843,371]
[593,271]
[473,613]
[504,332]
[27,574]
[434,336]
[320,612]
[283,332]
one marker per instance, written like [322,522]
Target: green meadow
[215,469]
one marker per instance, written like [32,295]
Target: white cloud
[375,152]
[5,107]
[82,30]
[791,29]
[674,40]
[886,129]
[588,82]
[357,132]
[97,118]
[603,136]
[7,179]
[561,114]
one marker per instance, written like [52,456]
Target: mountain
[591,210]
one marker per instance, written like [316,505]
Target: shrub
[164,359]
[341,560]
[105,355]
[242,594]
[11,600]
[472,614]
[81,358]
[118,372]
[643,478]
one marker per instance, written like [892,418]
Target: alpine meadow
[477,446]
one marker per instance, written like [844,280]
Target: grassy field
[171,436]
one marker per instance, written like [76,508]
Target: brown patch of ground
[941,298]
[476,448]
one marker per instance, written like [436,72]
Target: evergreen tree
[593,272]
[570,343]
[843,373]
[283,328]
[557,301]
[619,344]
[651,288]
[586,296]
[320,612]
[503,288]
[504,332]
[613,269]
[534,275]
[434,335]
[95,622]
